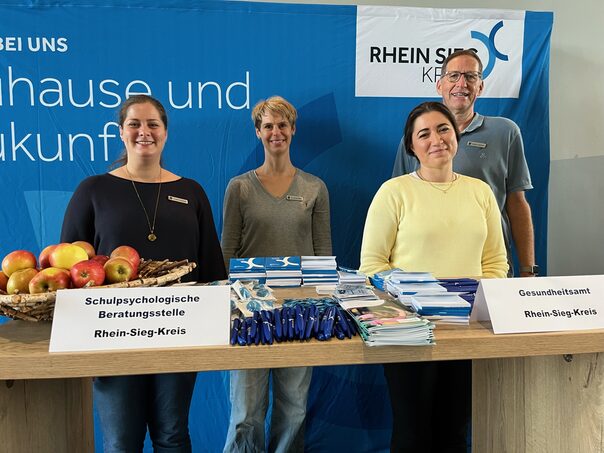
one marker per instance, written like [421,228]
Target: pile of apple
[65,265]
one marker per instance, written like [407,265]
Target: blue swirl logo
[489,43]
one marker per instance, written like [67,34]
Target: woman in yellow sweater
[437,221]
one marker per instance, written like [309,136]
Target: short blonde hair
[275,105]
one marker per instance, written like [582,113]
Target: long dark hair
[418,111]
[123,113]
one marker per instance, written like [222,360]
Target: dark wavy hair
[425,107]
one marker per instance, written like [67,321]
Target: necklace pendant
[151,237]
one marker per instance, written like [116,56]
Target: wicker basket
[40,307]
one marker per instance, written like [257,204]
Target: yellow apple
[18,282]
[66,255]
[17,260]
[119,270]
[129,253]
[87,246]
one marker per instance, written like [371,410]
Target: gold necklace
[151,236]
[445,190]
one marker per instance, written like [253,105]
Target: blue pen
[235,331]
[271,329]
[284,322]
[312,316]
[300,325]
[267,326]
[328,329]
[341,323]
[322,321]
[247,331]
[254,326]
[338,331]
[278,328]
[305,316]
[284,315]
[318,321]
[291,323]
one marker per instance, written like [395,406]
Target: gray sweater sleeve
[232,224]
[321,229]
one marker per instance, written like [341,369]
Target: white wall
[576,192]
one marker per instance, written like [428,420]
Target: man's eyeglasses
[471,76]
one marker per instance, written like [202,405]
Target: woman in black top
[161,215]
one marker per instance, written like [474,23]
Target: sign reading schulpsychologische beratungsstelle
[542,304]
[140,318]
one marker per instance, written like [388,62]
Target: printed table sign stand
[542,304]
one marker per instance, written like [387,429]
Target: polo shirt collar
[474,124]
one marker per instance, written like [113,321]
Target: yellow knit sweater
[414,226]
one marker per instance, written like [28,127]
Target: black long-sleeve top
[106,212]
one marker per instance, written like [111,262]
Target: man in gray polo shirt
[490,149]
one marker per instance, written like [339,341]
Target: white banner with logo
[399,50]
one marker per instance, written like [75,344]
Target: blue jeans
[249,403]
[127,405]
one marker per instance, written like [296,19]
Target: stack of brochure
[408,289]
[384,322]
[465,287]
[283,271]
[447,301]
[446,308]
[351,276]
[319,271]
[380,279]
[247,269]
[408,283]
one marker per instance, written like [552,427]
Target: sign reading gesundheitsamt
[541,304]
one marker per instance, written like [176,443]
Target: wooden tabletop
[24,351]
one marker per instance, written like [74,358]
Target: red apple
[119,270]
[3,281]
[18,282]
[87,273]
[125,251]
[87,246]
[49,279]
[66,255]
[100,258]
[44,257]
[17,260]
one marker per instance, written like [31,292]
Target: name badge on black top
[178,199]
[294,198]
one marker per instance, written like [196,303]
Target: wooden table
[529,393]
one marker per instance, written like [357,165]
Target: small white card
[541,304]
[140,318]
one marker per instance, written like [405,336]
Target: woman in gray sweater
[274,210]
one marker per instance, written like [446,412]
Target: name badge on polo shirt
[178,199]
[477,145]
[294,198]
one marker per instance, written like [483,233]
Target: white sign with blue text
[140,318]
[542,304]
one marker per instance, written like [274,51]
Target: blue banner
[64,69]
